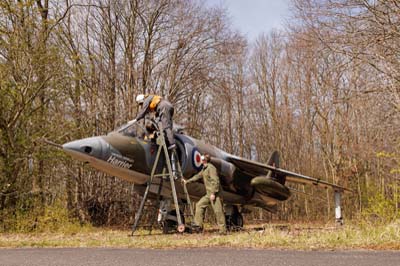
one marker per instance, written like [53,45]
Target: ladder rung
[161,175]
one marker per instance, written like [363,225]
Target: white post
[338,209]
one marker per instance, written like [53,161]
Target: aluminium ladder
[169,171]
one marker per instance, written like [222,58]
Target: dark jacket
[162,106]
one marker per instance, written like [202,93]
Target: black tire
[238,220]
[234,222]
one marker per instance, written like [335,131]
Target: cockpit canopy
[134,130]
[141,131]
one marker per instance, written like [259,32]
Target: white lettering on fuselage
[118,162]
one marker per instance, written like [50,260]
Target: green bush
[380,210]
[53,218]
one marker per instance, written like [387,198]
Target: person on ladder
[164,111]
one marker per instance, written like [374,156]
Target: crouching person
[212,197]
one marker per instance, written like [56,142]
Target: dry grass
[299,237]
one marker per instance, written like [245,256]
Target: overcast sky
[252,17]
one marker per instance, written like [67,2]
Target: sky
[252,17]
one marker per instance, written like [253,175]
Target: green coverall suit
[211,182]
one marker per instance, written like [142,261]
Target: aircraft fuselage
[132,158]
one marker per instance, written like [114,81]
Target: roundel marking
[196,159]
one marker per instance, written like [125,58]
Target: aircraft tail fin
[274,162]
[274,159]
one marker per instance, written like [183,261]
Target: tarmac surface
[209,257]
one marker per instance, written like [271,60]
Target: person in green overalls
[212,197]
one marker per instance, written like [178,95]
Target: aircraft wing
[256,169]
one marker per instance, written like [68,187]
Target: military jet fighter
[129,153]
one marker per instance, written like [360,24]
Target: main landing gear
[234,219]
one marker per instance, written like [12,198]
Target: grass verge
[297,237]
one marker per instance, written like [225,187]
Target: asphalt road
[209,257]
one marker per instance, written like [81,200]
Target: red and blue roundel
[196,159]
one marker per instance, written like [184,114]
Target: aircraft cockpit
[138,130]
[147,131]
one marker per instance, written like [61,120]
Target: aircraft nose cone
[84,148]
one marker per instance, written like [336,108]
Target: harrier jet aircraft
[130,153]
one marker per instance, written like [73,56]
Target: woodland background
[325,91]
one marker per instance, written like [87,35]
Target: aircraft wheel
[234,221]
[238,220]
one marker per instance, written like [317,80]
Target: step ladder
[171,170]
